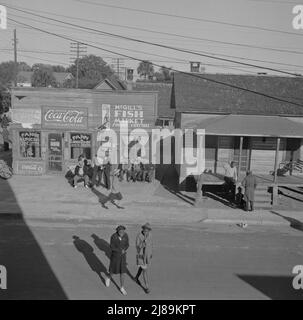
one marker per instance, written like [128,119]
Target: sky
[280,50]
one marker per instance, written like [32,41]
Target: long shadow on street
[274,287]
[29,275]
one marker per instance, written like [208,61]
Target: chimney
[195,66]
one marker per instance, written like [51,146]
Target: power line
[166,33]
[172,60]
[189,18]
[47,60]
[163,46]
[172,69]
[206,52]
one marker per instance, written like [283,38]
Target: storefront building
[52,127]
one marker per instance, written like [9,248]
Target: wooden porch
[263,179]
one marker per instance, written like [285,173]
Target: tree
[146,69]
[159,76]
[58,68]
[166,72]
[23,66]
[7,73]
[92,69]
[5,100]
[43,77]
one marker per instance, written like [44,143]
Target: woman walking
[119,244]
[144,247]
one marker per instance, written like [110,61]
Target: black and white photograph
[151,153]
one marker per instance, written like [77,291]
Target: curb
[200,220]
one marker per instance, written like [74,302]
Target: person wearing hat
[119,243]
[144,248]
[250,185]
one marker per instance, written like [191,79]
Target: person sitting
[137,169]
[81,173]
[240,202]
[149,175]
[131,172]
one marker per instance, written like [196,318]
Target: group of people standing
[101,171]
[249,184]
[119,244]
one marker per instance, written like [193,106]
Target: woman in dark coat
[119,243]
[250,184]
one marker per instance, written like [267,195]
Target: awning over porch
[244,125]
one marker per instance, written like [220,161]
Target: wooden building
[52,127]
[258,133]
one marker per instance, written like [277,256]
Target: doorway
[55,152]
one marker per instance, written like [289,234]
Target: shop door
[55,153]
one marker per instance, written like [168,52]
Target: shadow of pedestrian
[104,246]
[93,261]
[294,223]
[103,198]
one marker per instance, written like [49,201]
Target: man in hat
[144,248]
[250,185]
[119,243]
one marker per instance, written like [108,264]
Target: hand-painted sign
[137,116]
[62,117]
[26,117]
[80,140]
[30,168]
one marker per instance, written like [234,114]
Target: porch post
[275,186]
[216,154]
[240,155]
[249,153]
[276,159]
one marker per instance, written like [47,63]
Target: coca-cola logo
[65,117]
[69,116]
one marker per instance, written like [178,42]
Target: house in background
[24,78]
[110,83]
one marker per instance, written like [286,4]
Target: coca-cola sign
[64,117]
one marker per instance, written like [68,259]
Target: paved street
[205,262]
[200,253]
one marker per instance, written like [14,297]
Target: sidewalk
[52,198]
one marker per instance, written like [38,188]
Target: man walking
[250,184]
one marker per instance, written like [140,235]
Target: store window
[80,144]
[30,144]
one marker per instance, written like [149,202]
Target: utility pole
[119,67]
[15,58]
[78,50]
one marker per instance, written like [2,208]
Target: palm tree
[145,69]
